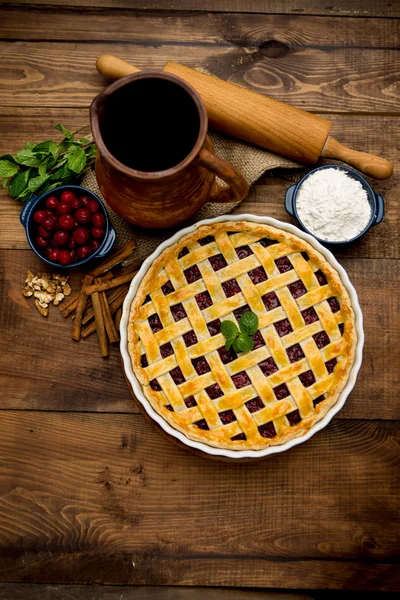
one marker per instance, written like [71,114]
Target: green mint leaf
[229,329]
[27,158]
[77,160]
[37,182]
[25,194]
[229,343]
[243,343]
[52,186]
[84,140]
[7,168]
[248,323]
[48,147]
[68,134]
[91,151]
[5,181]
[18,184]
[29,145]
[8,157]
[44,164]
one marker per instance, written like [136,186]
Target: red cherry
[93,206]
[49,223]
[68,197]
[66,222]
[43,233]
[60,238]
[39,215]
[95,245]
[53,255]
[41,242]
[80,235]
[83,216]
[64,257]
[76,204]
[72,254]
[63,208]
[97,233]
[52,203]
[71,244]
[84,200]
[98,220]
[84,252]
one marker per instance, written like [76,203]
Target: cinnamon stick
[80,307]
[66,303]
[99,324]
[114,259]
[117,281]
[117,318]
[114,306]
[111,296]
[111,331]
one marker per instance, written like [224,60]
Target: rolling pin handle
[380,209]
[289,199]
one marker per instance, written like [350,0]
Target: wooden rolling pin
[260,120]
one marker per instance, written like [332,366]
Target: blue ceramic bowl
[39,202]
[376,201]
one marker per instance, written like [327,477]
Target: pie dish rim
[273,449]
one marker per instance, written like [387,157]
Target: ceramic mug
[155,164]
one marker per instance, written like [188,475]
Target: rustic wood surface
[89,491]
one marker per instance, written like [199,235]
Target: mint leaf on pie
[240,341]
[243,343]
[229,329]
[248,323]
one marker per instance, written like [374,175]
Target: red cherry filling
[190,338]
[268,366]
[293,417]
[258,340]
[214,391]
[155,323]
[241,379]
[307,378]
[267,430]
[227,356]
[255,404]
[202,424]
[204,300]
[147,299]
[217,262]
[178,312]
[341,328]
[177,376]
[305,256]
[284,265]
[331,364]
[283,327]
[183,252]
[190,401]
[258,275]
[281,391]
[192,274]
[169,407]
[167,288]
[214,327]
[239,436]
[309,315]
[231,288]
[297,289]
[270,300]
[321,277]
[155,385]
[227,416]
[206,240]
[267,242]
[321,339]
[295,353]
[243,251]
[143,361]
[166,350]
[201,365]
[318,400]
[334,304]
[238,312]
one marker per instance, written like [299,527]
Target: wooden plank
[20,125]
[272,34]
[52,74]
[357,8]
[77,379]
[80,503]
[35,591]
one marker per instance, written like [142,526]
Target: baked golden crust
[297,369]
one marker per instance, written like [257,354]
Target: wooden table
[89,491]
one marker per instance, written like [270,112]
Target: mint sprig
[239,339]
[38,168]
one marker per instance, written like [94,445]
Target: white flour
[333,206]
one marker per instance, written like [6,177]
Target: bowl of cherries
[67,226]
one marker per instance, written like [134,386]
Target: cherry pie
[303,350]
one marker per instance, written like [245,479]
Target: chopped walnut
[46,289]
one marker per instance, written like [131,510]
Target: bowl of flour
[335,204]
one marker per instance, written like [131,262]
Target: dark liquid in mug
[150,124]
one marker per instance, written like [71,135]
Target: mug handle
[238,186]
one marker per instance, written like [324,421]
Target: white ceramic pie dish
[137,389]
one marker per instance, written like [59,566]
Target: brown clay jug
[155,165]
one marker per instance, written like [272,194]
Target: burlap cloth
[251,161]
